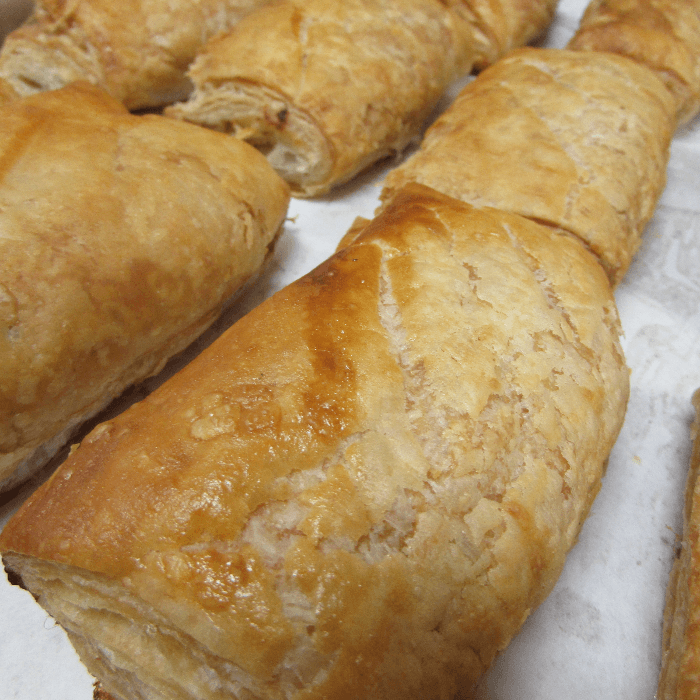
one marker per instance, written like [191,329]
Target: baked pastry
[576,139]
[661,34]
[501,25]
[7,92]
[361,489]
[680,670]
[122,239]
[136,50]
[326,88]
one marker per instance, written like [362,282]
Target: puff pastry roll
[360,490]
[137,50]
[501,25]
[121,237]
[680,670]
[576,139]
[662,34]
[326,88]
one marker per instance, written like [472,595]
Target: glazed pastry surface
[361,489]
[121,238]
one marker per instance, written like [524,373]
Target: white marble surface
[598,635]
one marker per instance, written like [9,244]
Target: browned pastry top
[136,50]
[661,34]
[326,88]
[500,25]
[122,237]
[372,477]
[578,140]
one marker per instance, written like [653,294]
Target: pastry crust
[661,34]
[326,88]
[122,239]
[680,666]
[576,139]
[501,25]
[137,50]
[361,489]
[7,92]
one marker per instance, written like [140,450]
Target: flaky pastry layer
[137,51]
[661,34]
[363,487]
[498,26]
[576,139]
[335,86]
[289,138]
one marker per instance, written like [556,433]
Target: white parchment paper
[598,635]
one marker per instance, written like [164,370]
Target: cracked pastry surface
[361,489]
[137,50]
[121,238]
[576,139]
[661,34]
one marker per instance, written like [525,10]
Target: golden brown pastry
[137,50]
[501,25]
[121,238]
[661,34]
[7,92]
[578,140]
[325,88]
[360,490]
[680,670]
